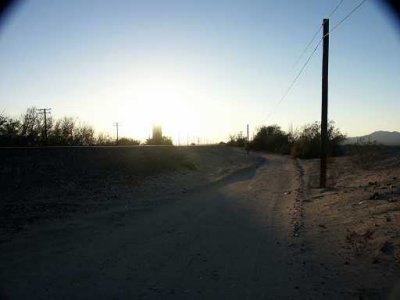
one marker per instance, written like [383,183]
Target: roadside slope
[39,185]
[353,227]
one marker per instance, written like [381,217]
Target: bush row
[303,143]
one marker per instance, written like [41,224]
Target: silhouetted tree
[9,131]
[159,141]
[271,138]
[31,127]
[104,140]
[308,141]
[237,140]
[83,135]
[30,131]
[304,144]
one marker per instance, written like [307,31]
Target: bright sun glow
[185,106]
[164,104]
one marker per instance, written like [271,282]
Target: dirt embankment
[355,222]
[40,184]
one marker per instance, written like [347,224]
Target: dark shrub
[237,140]
[307,143]
[164,140]
[128,142]
[271,138]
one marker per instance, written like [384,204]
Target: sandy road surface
[228,240]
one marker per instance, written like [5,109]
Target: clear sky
[199,68]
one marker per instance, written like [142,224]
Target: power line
[294,80]
[335,9]
[309,58]
[316,34]
[346,17]
[307,47]
[315,49]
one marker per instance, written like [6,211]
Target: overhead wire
[294,80]
[316,34]
[307,47]
[313,52]
[347,16]
[335,9]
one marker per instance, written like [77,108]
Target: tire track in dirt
[297,211]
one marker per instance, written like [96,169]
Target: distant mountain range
[381,137]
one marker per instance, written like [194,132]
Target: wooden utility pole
[324,114]
[248,136]
[45,111]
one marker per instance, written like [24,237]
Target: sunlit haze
[201,69]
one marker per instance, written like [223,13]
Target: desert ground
[195,223]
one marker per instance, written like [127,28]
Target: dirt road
[229,239]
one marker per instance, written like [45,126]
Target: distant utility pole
[117,124]
[248,136]
[324,114]
[44,112]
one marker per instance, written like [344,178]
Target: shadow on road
[243,174]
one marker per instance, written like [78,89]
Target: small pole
[116,124]
[45,127]
[45,111]
[324,113]
[248,136]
